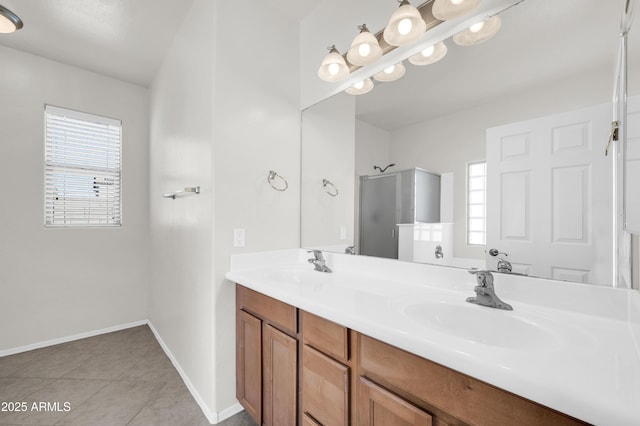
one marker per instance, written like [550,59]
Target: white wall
[257,129]
[57,282]
[448,143]
[181,154]
[373,147]
[220,119]
[328,152]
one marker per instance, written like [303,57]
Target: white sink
[480,324]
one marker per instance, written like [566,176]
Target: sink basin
[297,274]
[479,324]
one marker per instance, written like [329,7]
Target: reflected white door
[550,196]
[633,166]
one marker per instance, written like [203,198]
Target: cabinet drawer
[326,336]
[379,407]
[325,388]
[443,389]
[275,312]
[308,421]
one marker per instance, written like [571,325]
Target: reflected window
[477,203]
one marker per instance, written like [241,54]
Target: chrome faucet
[318,261]
[485,293]
[350,250]
[503,265]
[439,253]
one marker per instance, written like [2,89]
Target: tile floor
[120,378]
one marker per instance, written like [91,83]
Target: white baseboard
[212,416]
[228,412]
[67,339]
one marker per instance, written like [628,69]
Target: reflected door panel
[550,198]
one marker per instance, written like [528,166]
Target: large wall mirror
[504,140]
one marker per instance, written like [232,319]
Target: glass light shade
[9,21]
[333,67]
[446,10]
[365,86]
[405,26]
[365,49]
[429,55]
[392,73]
[477,34]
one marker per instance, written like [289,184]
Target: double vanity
[384,342]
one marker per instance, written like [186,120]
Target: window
[477,203]
[82,169]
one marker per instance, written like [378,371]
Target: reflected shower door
[378,216]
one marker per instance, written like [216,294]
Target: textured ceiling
[541,42]
[124,39]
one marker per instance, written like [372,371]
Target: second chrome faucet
[318,261]
[485,293]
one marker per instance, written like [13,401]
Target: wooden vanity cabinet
[379,407]
[449,396]
[266,358]
[326,372]
[346,378]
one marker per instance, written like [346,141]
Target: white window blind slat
[82,169]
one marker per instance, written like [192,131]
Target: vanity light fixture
[333,67]
[9,21]
[478,32]
[391,73]
[405,25]
[446,10]
[430,55]
[365,48]
[360,88]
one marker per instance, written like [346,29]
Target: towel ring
[325,184]
[271,178]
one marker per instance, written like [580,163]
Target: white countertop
[570,347]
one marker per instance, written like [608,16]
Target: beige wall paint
[256,129]
[221,122]
[448,143]
[58,282]
[181,293]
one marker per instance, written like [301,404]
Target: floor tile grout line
[145,406]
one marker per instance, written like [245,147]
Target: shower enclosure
[388,199]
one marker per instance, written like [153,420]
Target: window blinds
[82,169]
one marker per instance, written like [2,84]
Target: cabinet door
[308,421]
[379,407]
[325,388]
[279,377]
[249,364]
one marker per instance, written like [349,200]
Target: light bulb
[456,2]
[476,27]
[404,26]
[334,69]
[390,69]
[428,51]
[364,49]
[359,85]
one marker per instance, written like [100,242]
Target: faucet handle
[317,254]
[483,277]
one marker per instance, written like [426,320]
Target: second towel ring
[271,178]
[326,184]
